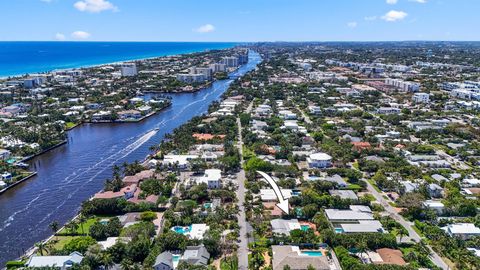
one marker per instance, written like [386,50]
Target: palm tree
[41,246]
[81,220]
[401,233]
[107,260]
[54,227]
[72,227]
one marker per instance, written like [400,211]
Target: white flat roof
[269,194]
[337,214]
[320,156]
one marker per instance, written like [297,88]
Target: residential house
[4,154]
[295,259]
[388,110]
[268,195]
[344,194]
[181,161]
[196,255]
[435,191]
[62,262]
[319,160]
[391,256]
[211,177]
[337,179]
[164,261]
[436,206]
[282,226]
[358,219]
[463,231]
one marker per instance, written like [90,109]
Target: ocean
[18,57]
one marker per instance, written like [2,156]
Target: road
[436,259]
[242,219]
[306,118]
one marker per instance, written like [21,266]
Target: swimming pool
[176,260]
[304,227]
[181,229]
[313,253]
[338,230]
[207,205]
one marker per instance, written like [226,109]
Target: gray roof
[439,177]
[336,179]
[57,261]
[165,258]
[196,255]
[344,194]
[364,226]
[336,214]
[283,226]
[287,255]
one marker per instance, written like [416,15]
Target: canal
[73,172]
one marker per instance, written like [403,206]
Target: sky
[239,20]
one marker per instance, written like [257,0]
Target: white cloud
[207,28]
[419,1]
[46,1]
[394,15]
[370,18]
[392,2]
[94,6]
[352,24]
[80,35]
[59,36]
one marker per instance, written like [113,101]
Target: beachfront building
[230,61]
[128,70]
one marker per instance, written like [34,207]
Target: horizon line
[276,41]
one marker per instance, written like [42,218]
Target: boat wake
[82,173]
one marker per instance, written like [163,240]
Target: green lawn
[70,125]
[374,185]
[60,241]
[86,226]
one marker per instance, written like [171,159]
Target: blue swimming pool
[304,227]
[181,229]
[339,230]
[313,253]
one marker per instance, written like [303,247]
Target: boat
[21,164]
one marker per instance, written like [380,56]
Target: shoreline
[118,62]
[31,251]
[45,151]
[32,174]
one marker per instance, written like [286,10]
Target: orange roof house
[206,136]
[359,146]
[391,256]
[135,179]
